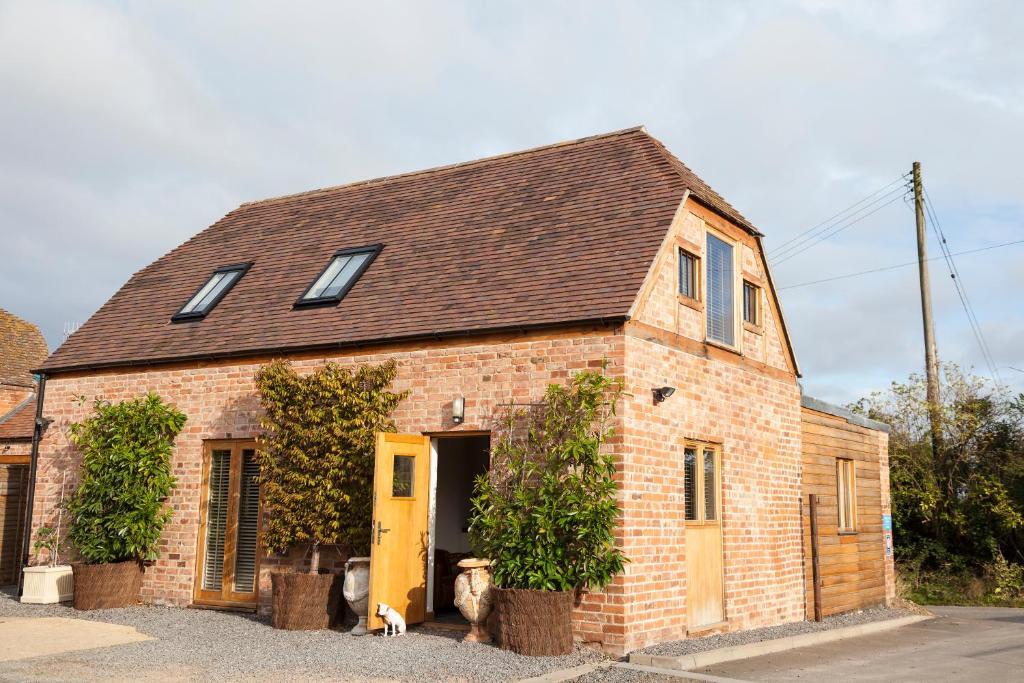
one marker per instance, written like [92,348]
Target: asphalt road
[960,644]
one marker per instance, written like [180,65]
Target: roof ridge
[449,167]
[17,409]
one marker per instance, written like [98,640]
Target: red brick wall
[220,401]
[11,395]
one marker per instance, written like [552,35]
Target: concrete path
[961,644]
[22,637]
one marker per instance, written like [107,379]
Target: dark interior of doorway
[459,461]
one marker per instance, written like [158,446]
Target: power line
[961,290]
[780,247]
[899,265]
[835,232]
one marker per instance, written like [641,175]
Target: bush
[317,450]
[119,509]
[546,512]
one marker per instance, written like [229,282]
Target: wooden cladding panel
[852,565]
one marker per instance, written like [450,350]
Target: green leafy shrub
[119,509]
[545,513]
[316,453]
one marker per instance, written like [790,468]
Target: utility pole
[930,356]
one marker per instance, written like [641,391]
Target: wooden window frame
[846,495]
[695,301]
[701,508]
[212,598]
[737,292]
[757,324]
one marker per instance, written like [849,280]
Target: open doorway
[458,460]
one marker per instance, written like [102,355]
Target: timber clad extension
[494,279]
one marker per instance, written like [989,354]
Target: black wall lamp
[459,409]
[661,393]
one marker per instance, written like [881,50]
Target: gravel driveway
[206,645]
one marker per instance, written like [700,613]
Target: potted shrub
[47,582]
[119,509]
[545,513]
[316,475]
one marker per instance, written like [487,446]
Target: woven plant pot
[101,586]
[533,622]
[305,602]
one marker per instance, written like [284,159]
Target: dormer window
[339,276]
[210,294]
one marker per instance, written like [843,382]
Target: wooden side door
[13,510]
[227,558]
[705,587]
[398,546]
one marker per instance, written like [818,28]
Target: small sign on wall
[887,528]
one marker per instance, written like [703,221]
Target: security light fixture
[661,393]
[459,409]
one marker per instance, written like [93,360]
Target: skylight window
[210,294]
[340,274]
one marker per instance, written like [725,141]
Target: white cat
[392,619]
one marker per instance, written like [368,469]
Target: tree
[963,504]
[316,453]
[546,512]
[119,509]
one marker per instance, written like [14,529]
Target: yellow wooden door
[705,594]
[227,561]
[398,547]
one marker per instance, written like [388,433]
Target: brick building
[22,347]
[485,281]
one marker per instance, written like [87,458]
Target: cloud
[131,126]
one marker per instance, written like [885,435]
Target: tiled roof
[22,348]
[16,425]
[549,236]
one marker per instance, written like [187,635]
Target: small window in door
[402,480]
[846,482]
[700,483]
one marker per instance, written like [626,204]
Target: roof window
[333,283]
[210,294]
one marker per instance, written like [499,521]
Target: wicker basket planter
[305,602]
[533,622]
[102,586]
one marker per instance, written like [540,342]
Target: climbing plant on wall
[317,451]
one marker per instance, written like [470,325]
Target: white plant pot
[357,590]
[48,585]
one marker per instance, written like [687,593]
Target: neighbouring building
[22,347]
[486,281]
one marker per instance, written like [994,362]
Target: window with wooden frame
[689,279]
[751,303]
[720,276]
[846,495]
[701,483]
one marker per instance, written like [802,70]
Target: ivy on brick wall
[119,509]
[316,453]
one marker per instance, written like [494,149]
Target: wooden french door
[227,571]
[13,510]
[705,594]
[399,542]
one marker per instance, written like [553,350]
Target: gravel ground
[685,647]
[207,645]
[617,675]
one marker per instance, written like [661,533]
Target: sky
[127,127]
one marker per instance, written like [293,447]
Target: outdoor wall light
[661,393]
[459,409]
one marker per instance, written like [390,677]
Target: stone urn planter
[474,597]
[106,585]
[46,585]
[357,590]
[304,602]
